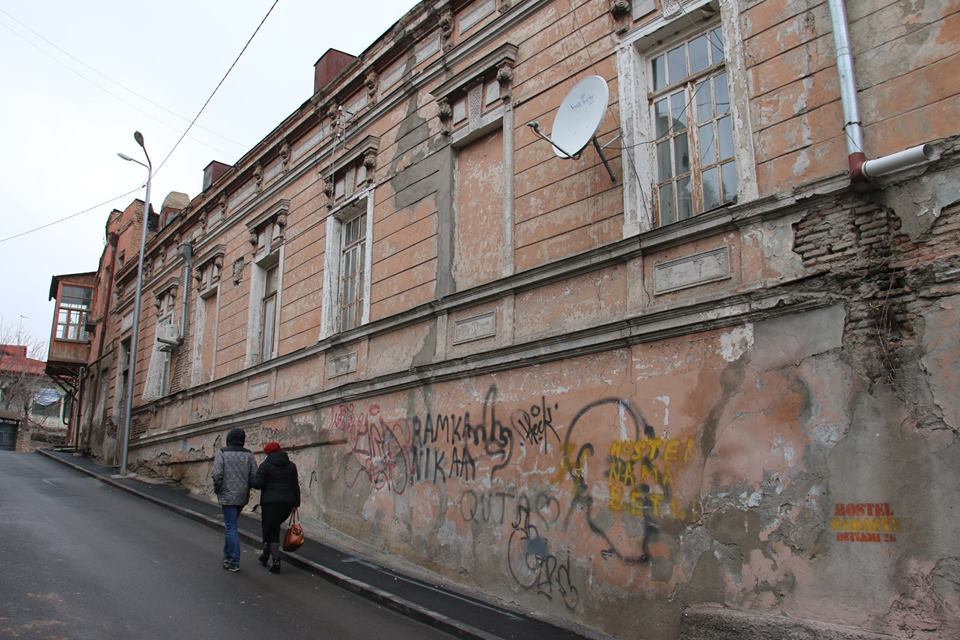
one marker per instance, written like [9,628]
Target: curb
[401,605]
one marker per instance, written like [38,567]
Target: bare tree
[20,380]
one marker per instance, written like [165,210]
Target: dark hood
[236,437]
[278,458]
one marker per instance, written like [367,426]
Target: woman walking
[279,495]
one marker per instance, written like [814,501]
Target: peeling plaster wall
[751,414]
[615,489]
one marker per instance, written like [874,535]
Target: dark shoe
[233,568]
[264,556]
[275,555]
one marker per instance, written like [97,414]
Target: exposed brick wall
[888,280]
[181,364]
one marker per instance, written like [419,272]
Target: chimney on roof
[329,66]
[212,173]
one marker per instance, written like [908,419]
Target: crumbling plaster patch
[941,359]
[790,339]
[918,203]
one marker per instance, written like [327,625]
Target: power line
[217,88]
[72,215]
[170,153]
[114,95]
[116,82]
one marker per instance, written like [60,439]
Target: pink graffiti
[378,450]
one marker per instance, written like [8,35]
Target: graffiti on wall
[609,469]
[639,467]
[864,522]
[464,438]
[634,481]
[379,451]
[532,565]
[534,425]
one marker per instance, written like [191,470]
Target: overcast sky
[78,78]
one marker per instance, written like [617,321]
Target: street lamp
[128,404]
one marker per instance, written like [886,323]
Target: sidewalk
[449,611]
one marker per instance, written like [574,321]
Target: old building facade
[720,379]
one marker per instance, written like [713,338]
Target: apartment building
[699,375]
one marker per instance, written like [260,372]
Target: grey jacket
[234,468]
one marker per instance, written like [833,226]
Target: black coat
[277,480]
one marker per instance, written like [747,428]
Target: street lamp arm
[124,156]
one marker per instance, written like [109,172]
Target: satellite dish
[579,116]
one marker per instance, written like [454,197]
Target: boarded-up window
[479,210]
[208,337]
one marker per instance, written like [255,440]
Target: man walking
[234,468]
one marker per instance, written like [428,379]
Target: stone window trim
[635,53]
[338,217]
[497,65]
[211,259]
[363,153]
[275,214]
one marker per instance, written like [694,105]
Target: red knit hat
[270,447]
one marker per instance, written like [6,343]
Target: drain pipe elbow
[896,161]
[856,161]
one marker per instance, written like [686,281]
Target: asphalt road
[80,559]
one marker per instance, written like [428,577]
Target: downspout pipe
[862,169]
[186,250]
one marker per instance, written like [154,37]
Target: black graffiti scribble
[535,424]
[491,507]
[583,499]
[533,566]
[468,440]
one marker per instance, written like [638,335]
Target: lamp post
[128,404]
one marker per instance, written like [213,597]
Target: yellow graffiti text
[665,449]
[884,525]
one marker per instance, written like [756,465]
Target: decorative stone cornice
[371,81]
[170,288]
[212,257]
[274,214]
[258,177]
[503,56]
[284,153]
[237,271]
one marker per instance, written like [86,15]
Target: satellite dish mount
[577,121]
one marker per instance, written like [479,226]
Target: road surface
[80,559]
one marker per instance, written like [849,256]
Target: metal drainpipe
[186,250]
[78,409]
[861,168]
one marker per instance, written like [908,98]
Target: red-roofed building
[34,407]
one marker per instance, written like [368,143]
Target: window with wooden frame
[695,168]
[267,238]
[352,263]
[683,101]
[349,185]
[268,312]
[72,308]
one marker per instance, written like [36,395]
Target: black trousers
[272,516]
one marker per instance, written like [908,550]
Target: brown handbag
[293,539]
